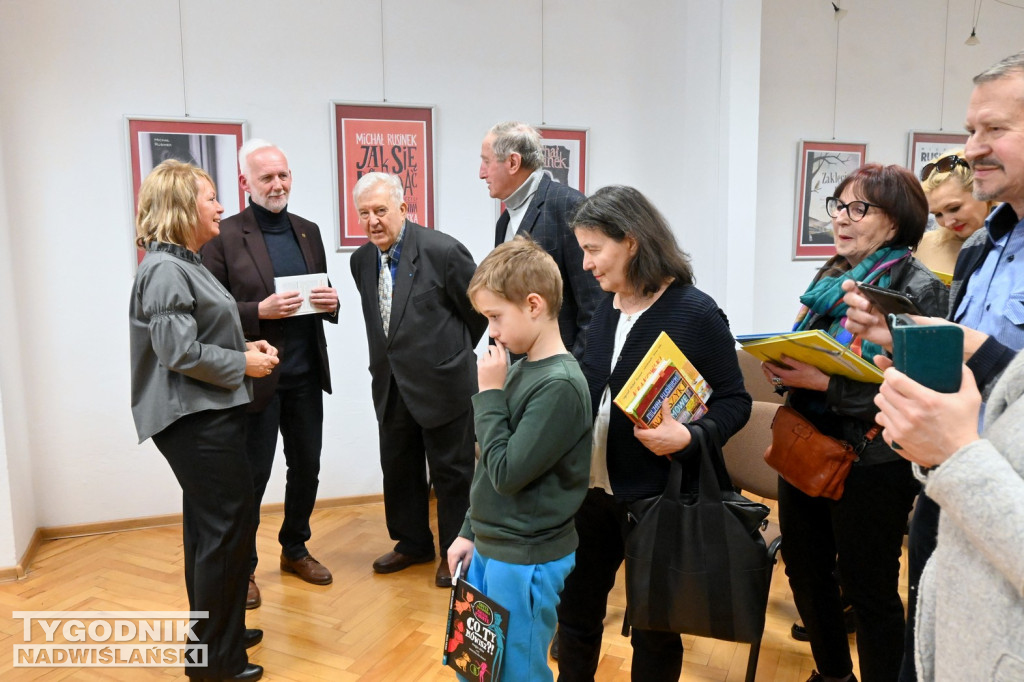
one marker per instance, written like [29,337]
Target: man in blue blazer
[512,165]
[421,330]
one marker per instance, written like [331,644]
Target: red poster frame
[141,162]
[360,126]
[579,136]
[829,160]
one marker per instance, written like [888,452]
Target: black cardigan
[699,327]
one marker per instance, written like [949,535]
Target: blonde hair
[516,269]
[169,204]
[962,173]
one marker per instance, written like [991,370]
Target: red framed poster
[821,166]
[565,155]
[210,144]
[386,138]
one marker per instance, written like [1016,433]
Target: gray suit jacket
[547,221]
[433,328]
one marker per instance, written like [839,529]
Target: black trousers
[924,536]
[862,535]
[298,412]
[602,526]
[406,448]
[206,453]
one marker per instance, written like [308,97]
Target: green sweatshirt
[534,466]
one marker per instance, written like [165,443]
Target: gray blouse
[187,347]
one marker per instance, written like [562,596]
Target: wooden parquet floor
[368,627]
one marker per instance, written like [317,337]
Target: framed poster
[924,147]
[565,155]
[388,138]
[820,167]
[211,144]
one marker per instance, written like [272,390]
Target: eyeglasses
[947,164]
[855,209]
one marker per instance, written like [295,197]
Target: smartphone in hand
[888,301]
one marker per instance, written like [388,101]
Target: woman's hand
[796,374]
[863,320]
[461,549]
[928,426]
[492,367]
[262,346]
[668,437]
[259,363]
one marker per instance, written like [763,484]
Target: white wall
[668,89]
[890,81]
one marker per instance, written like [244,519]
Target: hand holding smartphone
[889,302]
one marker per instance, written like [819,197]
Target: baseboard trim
[42,535]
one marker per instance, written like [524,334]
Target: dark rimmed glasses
[947,164]
[855,209]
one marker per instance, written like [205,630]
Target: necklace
[634,308]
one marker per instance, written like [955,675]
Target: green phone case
[930,354]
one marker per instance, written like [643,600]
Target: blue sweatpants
[530,592]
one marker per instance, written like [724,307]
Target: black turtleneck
[298,352]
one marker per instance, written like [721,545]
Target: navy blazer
[547,221]
[433,328]
[238,257]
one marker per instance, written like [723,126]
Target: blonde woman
[190,364]
[948,183]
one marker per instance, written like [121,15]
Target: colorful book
[664,374]
[477,627]
[813,347]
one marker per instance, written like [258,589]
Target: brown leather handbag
[807,459]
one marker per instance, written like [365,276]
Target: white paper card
[304,284]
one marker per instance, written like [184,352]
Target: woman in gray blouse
[189,388]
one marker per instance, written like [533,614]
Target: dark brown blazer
[238,257]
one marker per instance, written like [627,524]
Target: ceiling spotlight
[973,40]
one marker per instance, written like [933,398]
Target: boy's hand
[460,550]
[667,437]
[492,367]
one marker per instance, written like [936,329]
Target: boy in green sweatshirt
[533,423]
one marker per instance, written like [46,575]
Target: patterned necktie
[384,291]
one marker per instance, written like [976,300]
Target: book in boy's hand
[477,627]
[664,374]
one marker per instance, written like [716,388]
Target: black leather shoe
[252,672]
[252,637]
[396,561]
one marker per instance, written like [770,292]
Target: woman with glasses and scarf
[878,214]
[948,183]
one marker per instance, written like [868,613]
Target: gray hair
[1014,64]
[251,146]
[521,138]
[371,180]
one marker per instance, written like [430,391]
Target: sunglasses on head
[944,165]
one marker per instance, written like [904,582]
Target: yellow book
[813,347]
[664,374]
[946,277]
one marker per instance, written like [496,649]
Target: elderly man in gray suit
[512,165]
[421,331]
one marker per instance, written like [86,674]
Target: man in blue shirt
[987,293]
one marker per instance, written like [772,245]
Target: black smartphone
[889,302]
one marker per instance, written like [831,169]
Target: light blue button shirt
[994,299]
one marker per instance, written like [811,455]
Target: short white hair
[371,180]
[251,146]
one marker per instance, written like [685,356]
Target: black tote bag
[698,566]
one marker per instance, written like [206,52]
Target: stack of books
[664,374]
